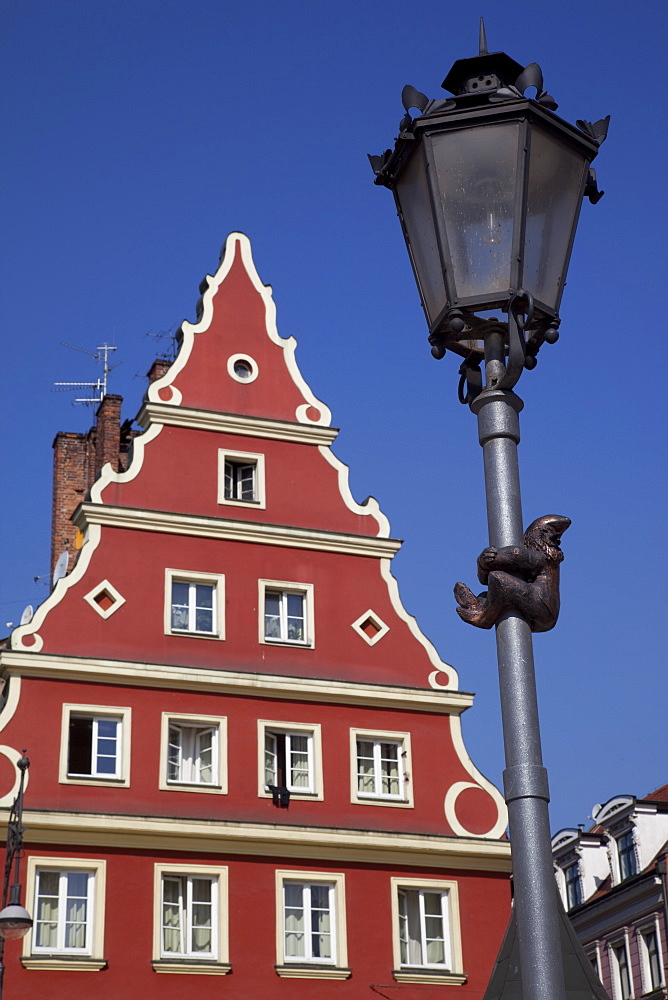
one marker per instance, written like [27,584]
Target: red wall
[483,901]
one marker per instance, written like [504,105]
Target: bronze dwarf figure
[522,578]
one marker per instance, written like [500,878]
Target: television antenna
[168,335]
[100,385]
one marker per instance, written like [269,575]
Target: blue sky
[137,135]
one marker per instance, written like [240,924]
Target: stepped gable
[237,316]
[165,514]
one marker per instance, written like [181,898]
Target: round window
[242,368]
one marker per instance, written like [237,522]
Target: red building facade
[247,761]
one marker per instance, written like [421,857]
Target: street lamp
[488,186]
[15,921]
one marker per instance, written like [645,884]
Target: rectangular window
[66,899]
[573,885]
[193,607]
[284,616]
[651,960]
[423,929]
[288,761]
[426,931]
[63,911]
[188,914]
[286,613]
[194,604]
[95,745]
[190,923]
[310,924]
[627,855]
[621,971]
[290,757]
[380,768]
[193,753]
[241,479]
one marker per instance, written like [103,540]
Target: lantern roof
[484,72]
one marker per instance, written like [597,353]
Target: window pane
[623,970]
[653,959]
[204,595]
[172,915]
[627,856]
[229,481]
[299,761]
[180,605]
[270,759]
[204,607]
[389,762]
[201,889]
[174,754]
[205,739]
[81,745]
[272,608]
[294,920]
[365,768]
[295,617]
[409,902]
[247,482]
[477,174]
[46,920]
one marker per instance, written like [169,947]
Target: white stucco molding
[259,685]
[228,529]
[235,423]
[299,842]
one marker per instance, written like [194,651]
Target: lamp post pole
[524,778]
[15,921]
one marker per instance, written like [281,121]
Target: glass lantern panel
[412,194]
[556,177]
[477,179]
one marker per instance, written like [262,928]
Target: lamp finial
[482,39]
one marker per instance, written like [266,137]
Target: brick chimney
[77,460]
[159,368]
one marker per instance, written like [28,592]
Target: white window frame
[632,853]
[286,587]
[304,967]
[450,973]
[642,932]
[91,957]
[215,962]
[123,734]
[403,740]
[577,881]
[313,730]
[615,970]
[242,458]
[218,724]
[215,580]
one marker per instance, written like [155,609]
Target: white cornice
[241,837]
[233,423]
[198,526]
[254,685]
